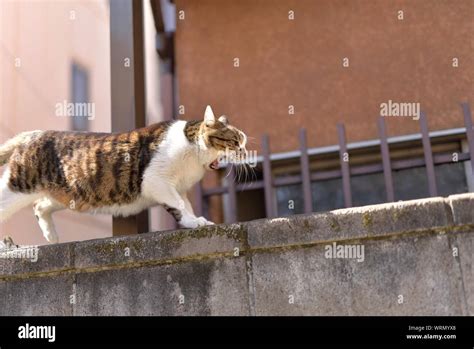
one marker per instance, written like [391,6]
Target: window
[289,199]
[250,202]
[327,195]
[410,184]
[368,189]
[451,178]
[79,94]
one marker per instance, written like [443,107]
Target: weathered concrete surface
[418,260]
[353,223]
[198,288]
[465,243]
[422,270]
[462,208]
[37,296]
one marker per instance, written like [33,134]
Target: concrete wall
[418,260]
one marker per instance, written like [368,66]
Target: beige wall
[46,40]
[47,36]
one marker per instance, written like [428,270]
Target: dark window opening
[79,94]
[369,189]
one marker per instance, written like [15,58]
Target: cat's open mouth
[214,165]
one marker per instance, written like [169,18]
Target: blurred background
[273,67]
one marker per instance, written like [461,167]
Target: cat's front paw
[195,222]
[203,221]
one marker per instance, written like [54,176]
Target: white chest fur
[176,161]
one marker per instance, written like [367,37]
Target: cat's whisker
[236,172]
[252,172]
[228,169]
[239,172]
[254,175]
[246,167]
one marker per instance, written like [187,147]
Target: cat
[119,173]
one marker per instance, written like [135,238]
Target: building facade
[274,67]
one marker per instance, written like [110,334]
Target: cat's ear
[209,118]
[223,119]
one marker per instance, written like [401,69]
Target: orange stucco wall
[299,62]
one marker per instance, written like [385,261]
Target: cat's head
[221,139]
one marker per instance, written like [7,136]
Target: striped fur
[89,169]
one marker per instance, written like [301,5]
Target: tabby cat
[118,174]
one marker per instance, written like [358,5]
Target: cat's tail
[7,148]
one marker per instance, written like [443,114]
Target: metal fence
[268,183]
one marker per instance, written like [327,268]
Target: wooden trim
[428,154]
[127,86]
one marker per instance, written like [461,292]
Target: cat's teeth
[214,165]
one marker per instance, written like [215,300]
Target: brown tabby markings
[177,215]
[219,136]
[89,169]
[222,136]
[192,130]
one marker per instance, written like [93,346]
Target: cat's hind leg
[11,201]
[43,209]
